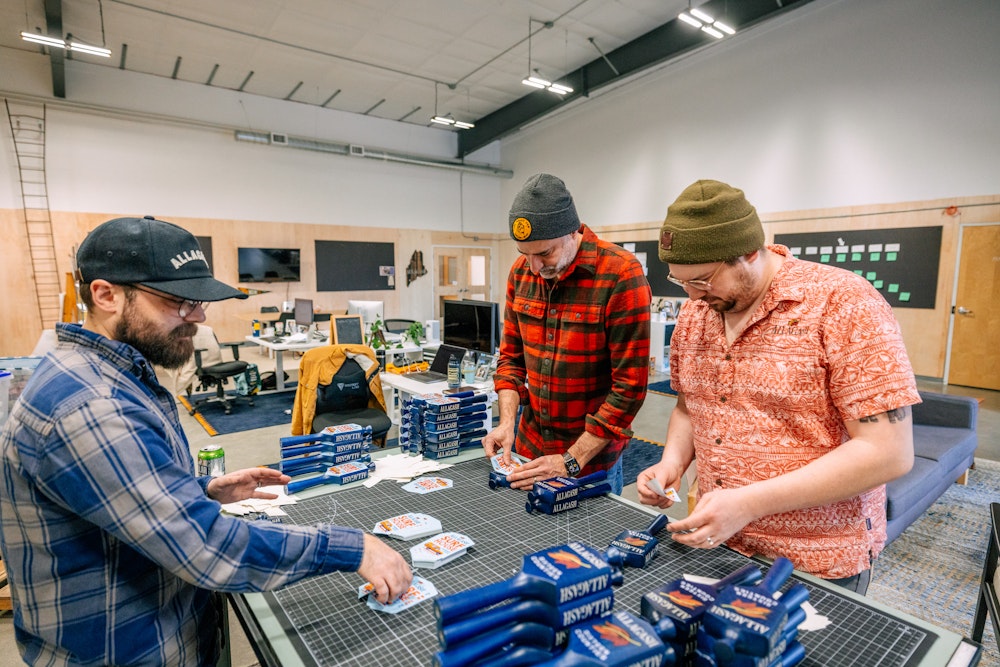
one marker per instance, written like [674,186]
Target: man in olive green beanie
[793,395]
[709,222]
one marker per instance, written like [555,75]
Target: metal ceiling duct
[356,150]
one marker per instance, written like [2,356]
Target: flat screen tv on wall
[269,265]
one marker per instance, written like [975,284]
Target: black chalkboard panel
[656,271]
[206,247]
[346,329]
[349,266]
[901,263]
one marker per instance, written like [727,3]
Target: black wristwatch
[572,467]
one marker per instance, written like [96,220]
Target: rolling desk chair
[211,371]
[340,384]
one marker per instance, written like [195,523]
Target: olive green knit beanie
[709,222]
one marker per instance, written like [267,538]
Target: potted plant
[376,339]
[415,332]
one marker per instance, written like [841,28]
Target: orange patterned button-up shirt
[821,349]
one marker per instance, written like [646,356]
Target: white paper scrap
[402,468]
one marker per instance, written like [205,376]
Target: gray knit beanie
[543,209]
[709,222]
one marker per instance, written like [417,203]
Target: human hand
[385,570]
[497,439]
[667,477]
[534,470]
[719,515]
[242,484]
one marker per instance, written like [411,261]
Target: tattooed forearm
[894,416]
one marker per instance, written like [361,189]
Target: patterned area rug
[932,570]
[267,410]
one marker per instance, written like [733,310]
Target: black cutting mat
[335,628]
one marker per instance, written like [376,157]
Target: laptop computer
[438,372]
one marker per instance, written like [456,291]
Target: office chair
[212,371]
[988,602]
[339,384]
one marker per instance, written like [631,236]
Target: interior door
[461,273]
[975,353]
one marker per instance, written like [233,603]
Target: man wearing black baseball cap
[114,548]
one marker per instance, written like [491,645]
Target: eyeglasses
[184,306]
[700,285]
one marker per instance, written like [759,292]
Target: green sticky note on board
[870,275]
[859,272]
[824,259]
[904,296]
[893,287]
[842,257]
[890,257]
[874,257]
[878,284]
[855,256]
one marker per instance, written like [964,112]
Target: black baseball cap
[153,253]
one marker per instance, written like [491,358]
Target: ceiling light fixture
[447,119]
[703,21]
[536,80]
[69,44]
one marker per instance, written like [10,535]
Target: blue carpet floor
[662,388]
[638,456]
[267,410]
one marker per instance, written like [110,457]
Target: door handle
[964,311]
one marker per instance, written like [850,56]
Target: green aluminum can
[211,461]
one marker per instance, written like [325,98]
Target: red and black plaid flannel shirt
[577,351]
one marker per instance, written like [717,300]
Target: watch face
[572,467]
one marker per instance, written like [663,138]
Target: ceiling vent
[357,151]
[279,139]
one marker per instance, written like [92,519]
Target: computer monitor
[368,310]
[471,324]
[303,312]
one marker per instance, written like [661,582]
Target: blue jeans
[858,583]
[616,478]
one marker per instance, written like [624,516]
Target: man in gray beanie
[115,550]
[793,395]
[575,344]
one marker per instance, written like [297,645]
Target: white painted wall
[138,163]
[846,102]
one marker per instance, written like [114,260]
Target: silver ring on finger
[710,541]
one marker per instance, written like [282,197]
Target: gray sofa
[944,445]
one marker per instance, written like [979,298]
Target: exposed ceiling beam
[57,57]
[657,46]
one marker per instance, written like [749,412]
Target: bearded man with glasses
[793,398]
[115,550]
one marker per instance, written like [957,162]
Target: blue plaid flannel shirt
[112,546]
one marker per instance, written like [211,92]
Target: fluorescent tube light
[724,28]
[43,39]
[92,50]
[700,15]
[690,20]
[560,89]
[712,31]
[443,120]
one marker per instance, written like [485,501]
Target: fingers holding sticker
[385,569]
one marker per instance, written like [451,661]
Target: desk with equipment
[320,621]
[281,345]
